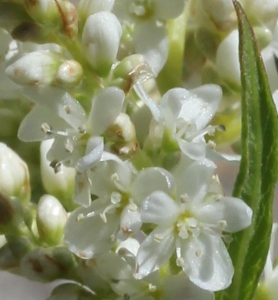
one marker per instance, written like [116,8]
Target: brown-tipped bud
[129,71]
[57,14]
[46,265]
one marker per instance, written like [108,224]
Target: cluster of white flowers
[148,218]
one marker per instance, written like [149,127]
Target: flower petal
[151,41]
[156,249]
[234,211]
[90,235]
[160,180]
[207,262]
[159,208]
[107,105]
[193,179]
[95,147]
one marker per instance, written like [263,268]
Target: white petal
[156,249]
[165,9]
[90,235]
[234,211]
[107,105]
[130,221]
[207,262]
[177,286]
[195,151]
[149,180]
[159,208]
[193,179]
[200,105]
[151,41]
[95,147]
[106,176]
[59,102]
[82,194]
[30,128]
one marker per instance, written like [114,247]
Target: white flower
[150,35]
[116,213]
[191,225]
[77,140]
[181,118]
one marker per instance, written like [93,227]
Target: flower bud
[71,291]
[60,184]
[51,218]
[121,130]
[69,74]
[100,41]
[88,7]
[14,175]
[47,264]
[35,68]
[130,70]
[31,32]
[14,218]
[57,14]
[229,69]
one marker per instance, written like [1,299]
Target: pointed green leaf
[258,169]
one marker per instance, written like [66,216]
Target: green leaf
[258,169]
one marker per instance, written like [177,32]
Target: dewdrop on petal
[51,218]
[100,40]
[14,175]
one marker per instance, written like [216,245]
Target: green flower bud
[131,69]
[57,14]
[31,32]
[14,175]
[70,291]
[48,264]
[14,218]
[51,218]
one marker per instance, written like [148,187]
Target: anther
[56,165]
[46,128]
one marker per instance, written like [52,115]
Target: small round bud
[51,219]
[35,68]
[69,74]
[14,174]
[100,41]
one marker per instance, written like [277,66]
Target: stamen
[184,198]
[82,129]
[158,238]
[56,165]
[152,288]
[68,109]
[180,262]
[46,128]
[198,252]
